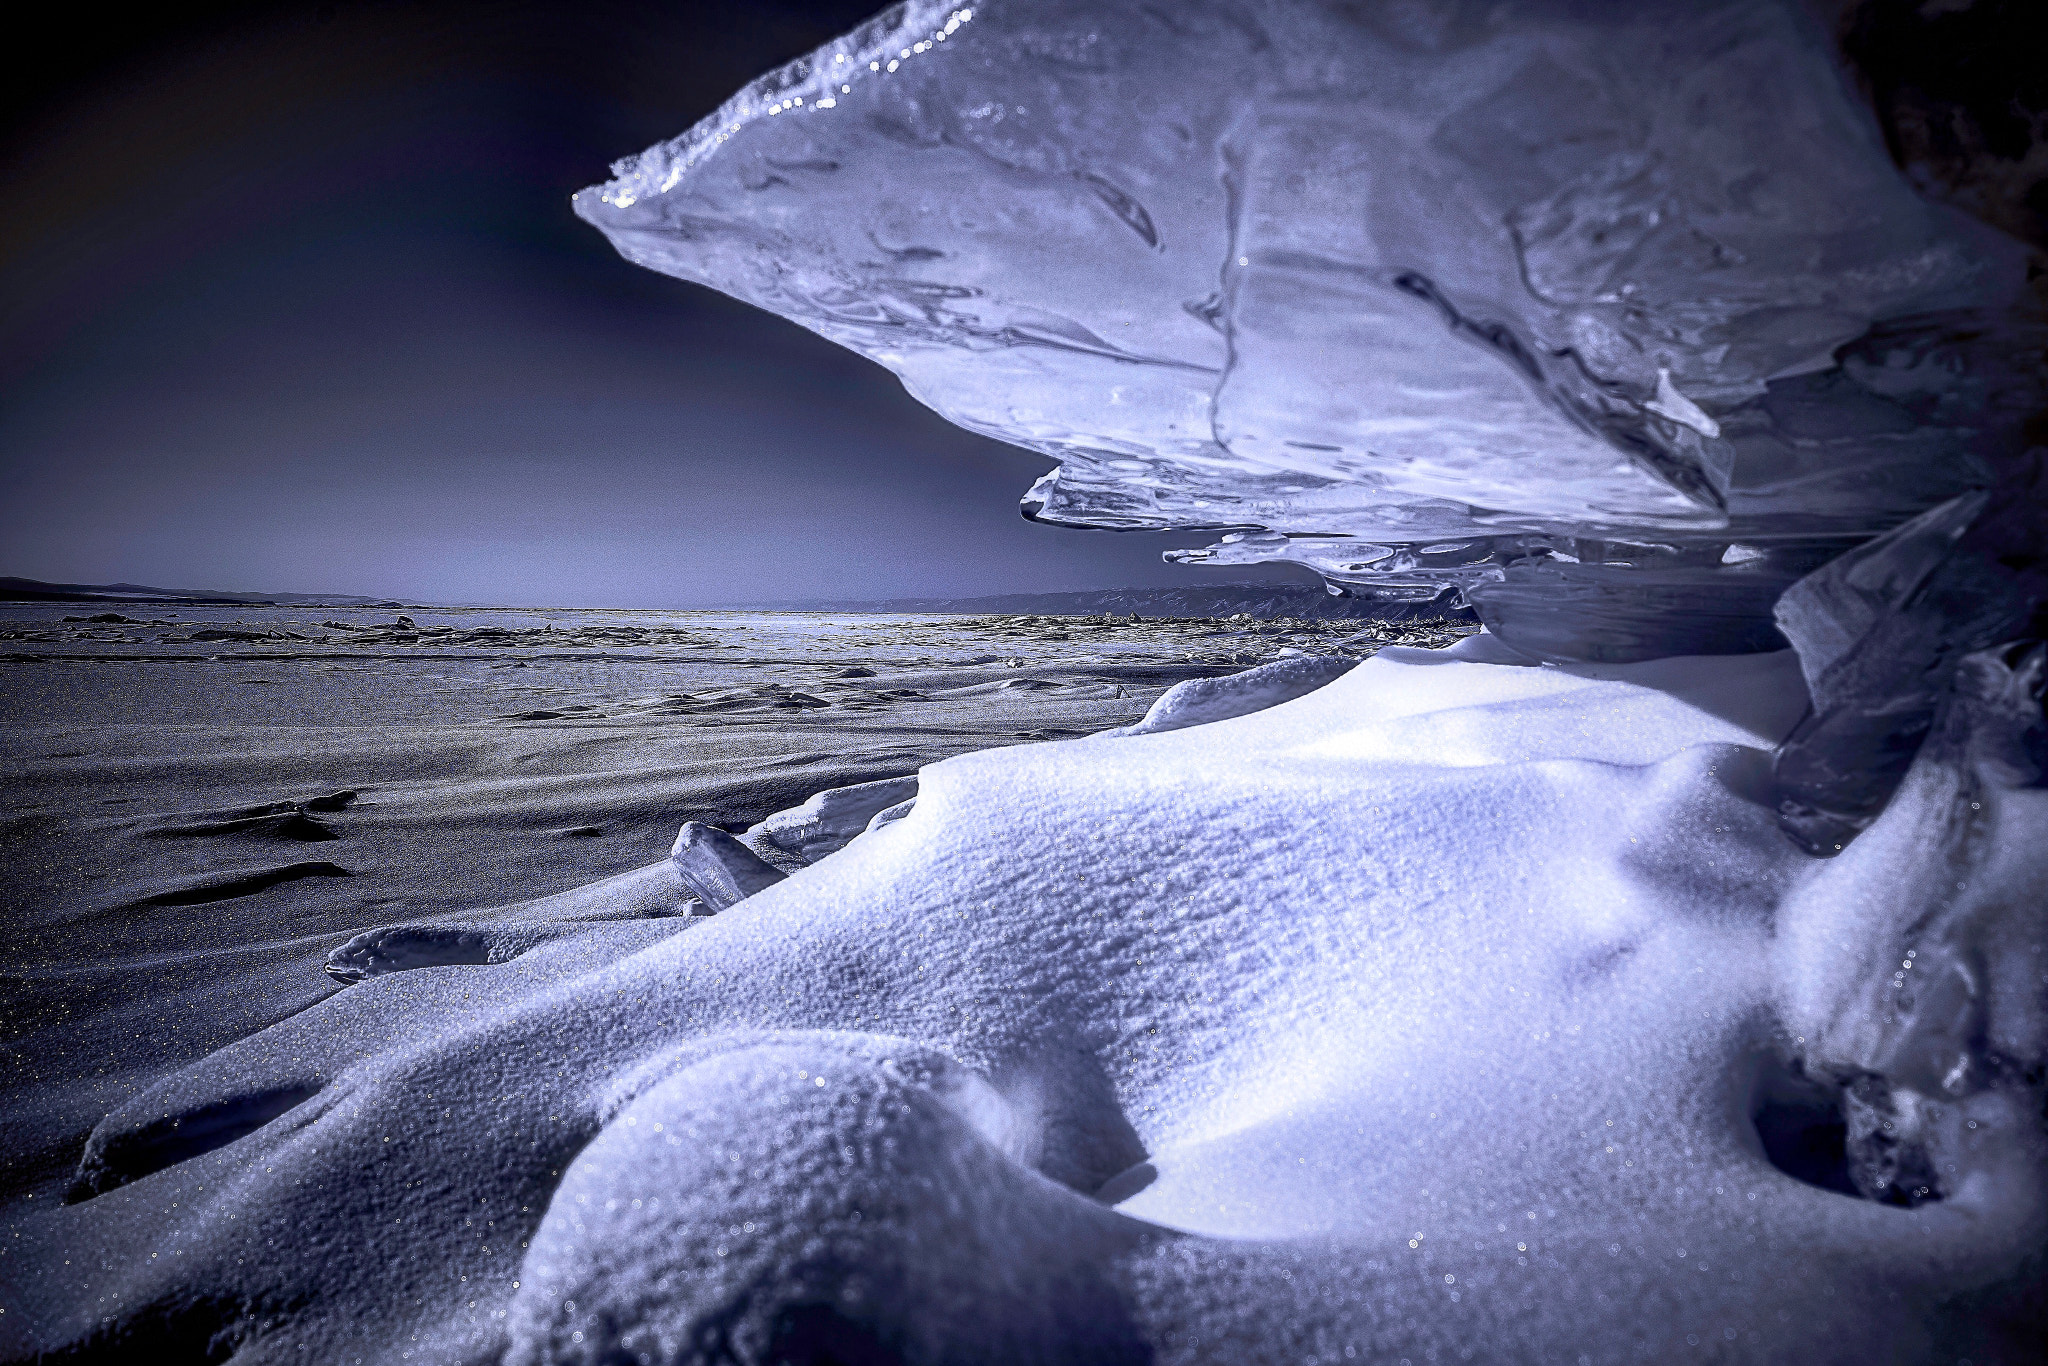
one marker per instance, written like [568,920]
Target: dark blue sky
[291,299]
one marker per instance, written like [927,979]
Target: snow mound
[1453,1010]
[782,1199]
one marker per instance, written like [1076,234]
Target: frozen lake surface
[162,898]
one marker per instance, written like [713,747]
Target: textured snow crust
[1449,1011]
[1614,319]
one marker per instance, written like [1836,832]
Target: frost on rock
[1613,320]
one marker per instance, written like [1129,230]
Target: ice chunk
[718,869]
[828,819]
[1879,633]
[1676,406]
[1913,962]
[890,815]
[1544,310]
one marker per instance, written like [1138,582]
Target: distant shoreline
[14,589]
[1259,600]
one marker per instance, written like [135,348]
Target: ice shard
[1882,633]
[1613,321]
[717,869]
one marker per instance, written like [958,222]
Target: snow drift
[1453,1007]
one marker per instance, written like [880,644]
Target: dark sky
[291,299]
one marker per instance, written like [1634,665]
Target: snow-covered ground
[1433,1014]
[201,803]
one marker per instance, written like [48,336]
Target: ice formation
[1613,319]
[719,870]
[1466,1004]
[828,821]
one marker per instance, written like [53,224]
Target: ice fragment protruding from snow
[1880,632]
[827,820]
[717,868]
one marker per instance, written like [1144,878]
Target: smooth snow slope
[1421,1017]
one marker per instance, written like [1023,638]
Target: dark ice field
[201,803]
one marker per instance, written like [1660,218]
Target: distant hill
[35,590]
[1262,600]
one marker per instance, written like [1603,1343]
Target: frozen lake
[163,897]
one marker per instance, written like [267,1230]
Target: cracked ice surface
[1615,319]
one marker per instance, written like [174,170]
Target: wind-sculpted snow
[1199,701]
[1455,1010]
[1614,320]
